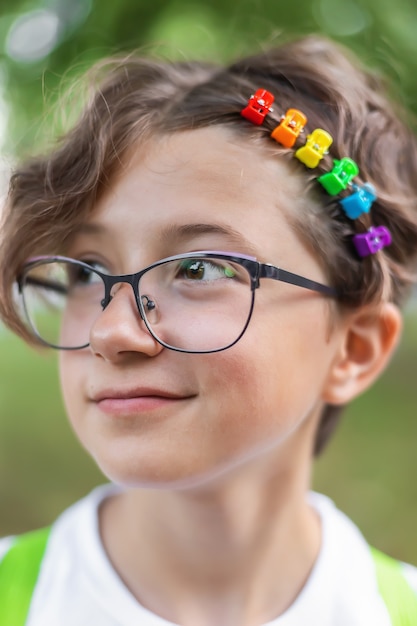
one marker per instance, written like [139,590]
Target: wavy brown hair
[134,99]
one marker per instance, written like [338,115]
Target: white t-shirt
[78,586]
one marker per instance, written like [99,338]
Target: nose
[119,329]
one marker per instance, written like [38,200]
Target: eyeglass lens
[191,304]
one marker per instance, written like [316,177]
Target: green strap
[19,571]
[400,599]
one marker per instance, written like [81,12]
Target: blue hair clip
[360,201]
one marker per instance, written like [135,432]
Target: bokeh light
[341,18]
[33,36]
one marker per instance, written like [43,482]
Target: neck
[235,553]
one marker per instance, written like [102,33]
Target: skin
[215,480]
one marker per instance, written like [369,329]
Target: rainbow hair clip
[337,180]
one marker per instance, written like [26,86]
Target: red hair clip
[258,107]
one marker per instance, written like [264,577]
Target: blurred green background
[370,468]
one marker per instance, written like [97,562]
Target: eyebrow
[185,232]
[182,233]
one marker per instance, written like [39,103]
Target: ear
[367,341]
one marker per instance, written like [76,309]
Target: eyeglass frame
[255,269]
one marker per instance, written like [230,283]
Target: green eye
[193,270]
[204,269]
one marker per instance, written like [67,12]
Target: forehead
[205,176]
[214,161]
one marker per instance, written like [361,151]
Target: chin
[143,472]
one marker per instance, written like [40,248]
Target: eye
[204,270]
[79,275]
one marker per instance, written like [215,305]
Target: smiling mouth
[136,402]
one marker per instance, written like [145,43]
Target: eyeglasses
[198,303]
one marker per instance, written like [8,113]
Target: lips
[133,402]
[140,392]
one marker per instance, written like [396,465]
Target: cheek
[273,378]
[242,405]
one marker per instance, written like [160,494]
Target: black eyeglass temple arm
[270,271]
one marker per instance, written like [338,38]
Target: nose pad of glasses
[105,302]
[148,304]
[150,308]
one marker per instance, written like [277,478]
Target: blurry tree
[42,41]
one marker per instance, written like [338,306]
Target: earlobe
[366,346]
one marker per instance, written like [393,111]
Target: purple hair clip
[376,238]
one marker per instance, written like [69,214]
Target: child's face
[261,395]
